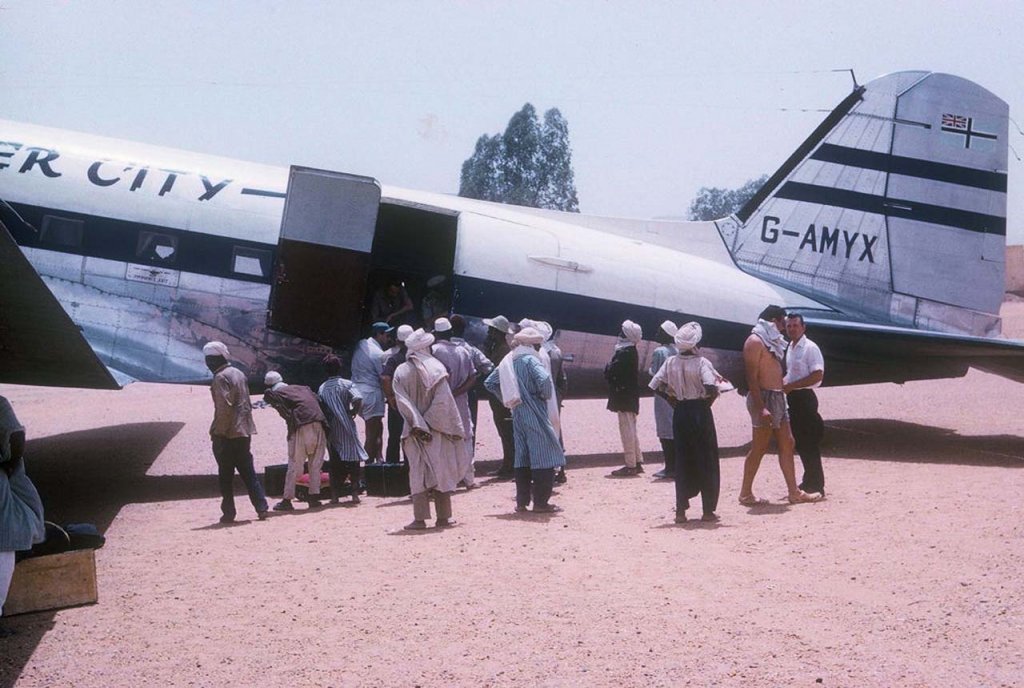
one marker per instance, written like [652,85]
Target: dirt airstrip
[909,574]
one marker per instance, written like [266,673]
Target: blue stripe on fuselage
[486,298]
[104,237]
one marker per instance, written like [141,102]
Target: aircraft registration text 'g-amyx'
[886,229]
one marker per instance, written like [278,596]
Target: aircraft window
[61,231]
[156,248]
[251,261]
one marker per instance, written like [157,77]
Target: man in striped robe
[341,402]
[523,384]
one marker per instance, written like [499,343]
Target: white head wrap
[545,329]
[688,337]
[669,328]
[403,332]
[418,341]
[527,322]
[215,349]
[632,331]
[442,325]
[272,378]
[528,336]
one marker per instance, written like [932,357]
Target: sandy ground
[908,575]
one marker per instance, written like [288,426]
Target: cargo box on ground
[53,581]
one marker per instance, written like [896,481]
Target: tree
[713,203]
[530,164]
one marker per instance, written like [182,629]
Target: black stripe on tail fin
[893,210]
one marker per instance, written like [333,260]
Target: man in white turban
[689,383]
[394,357]
[231,432]
[434,437]
[523,384]
[662,410]
[622,375]
[300,408]
[461,378]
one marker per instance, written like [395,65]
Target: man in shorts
[763,353]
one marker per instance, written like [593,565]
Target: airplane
[885,229]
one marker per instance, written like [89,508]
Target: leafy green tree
[555,176]
[480,174]
[713,203]
[530,164]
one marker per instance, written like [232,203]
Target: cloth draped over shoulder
[685,377]
[426,403]
[536,442]
[770,337]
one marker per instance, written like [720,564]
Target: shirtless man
[766,402]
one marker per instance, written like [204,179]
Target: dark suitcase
[273,479]
[386,479]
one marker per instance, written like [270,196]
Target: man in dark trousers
[231,432]
[805,369]
[496,348]
[622,374]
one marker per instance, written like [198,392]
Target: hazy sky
[661,97]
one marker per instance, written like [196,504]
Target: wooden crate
[54,581]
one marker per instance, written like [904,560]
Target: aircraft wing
[864,353]
[40,344]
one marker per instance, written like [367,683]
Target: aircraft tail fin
[893,210]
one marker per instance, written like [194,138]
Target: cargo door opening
[413,256]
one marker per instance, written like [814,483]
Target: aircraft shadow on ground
[88,476]
[883,439]
[876,439]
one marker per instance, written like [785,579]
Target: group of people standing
[780,382]
[428,382]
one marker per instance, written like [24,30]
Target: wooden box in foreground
[54,581]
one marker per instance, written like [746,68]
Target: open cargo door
[323,255]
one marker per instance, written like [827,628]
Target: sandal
[751,500]
[804,498]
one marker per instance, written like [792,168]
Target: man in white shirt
[805,369]
[367,365]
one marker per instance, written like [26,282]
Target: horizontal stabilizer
[861,353]
[39,344]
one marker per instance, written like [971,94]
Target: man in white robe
[434,438]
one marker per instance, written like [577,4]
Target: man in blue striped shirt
[341,402]
[522,384]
